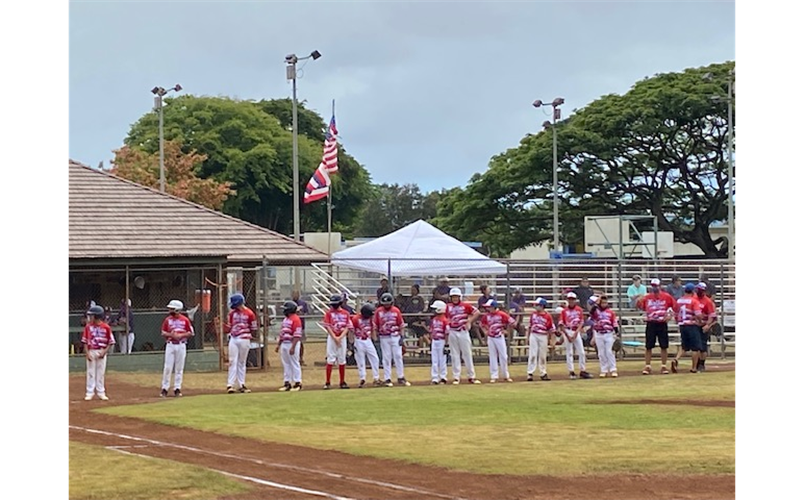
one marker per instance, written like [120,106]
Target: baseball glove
[617,345]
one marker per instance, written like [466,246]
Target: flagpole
[330,208]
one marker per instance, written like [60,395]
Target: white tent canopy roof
[418,249]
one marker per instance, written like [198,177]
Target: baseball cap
[689,287]
[655,281]
[702,286]
[571,295]
[637,277]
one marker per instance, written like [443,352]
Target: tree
[180,178]
[249,147]
[660,149]
[393,206]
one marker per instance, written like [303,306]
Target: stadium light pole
[557,113]
[290,74]
[729,99]
[159,93]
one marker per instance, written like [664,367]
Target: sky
[425,93]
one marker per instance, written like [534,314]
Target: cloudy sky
[425,92]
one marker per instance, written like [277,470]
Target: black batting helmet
[367,310]
[289,307]
[386,299]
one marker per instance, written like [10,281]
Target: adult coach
[659,307]
[241,326]
[461,316]
[176,329]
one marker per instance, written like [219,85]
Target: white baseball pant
[538,354]
[438,360]
[336,352]
[390,345]
[175,355]
[498,356]
[364,348]
[238,352]
[461,348]
[96,373]
[126,342]
[606,356]
[575,347]
[291,369]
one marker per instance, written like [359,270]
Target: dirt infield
[281,471]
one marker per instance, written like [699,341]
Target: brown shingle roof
[111,217]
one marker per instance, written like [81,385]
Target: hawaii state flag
[319,185]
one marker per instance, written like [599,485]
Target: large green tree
[250,145]
[393,206]
[660,149]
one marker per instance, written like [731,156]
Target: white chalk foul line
[264,482]
[276,465]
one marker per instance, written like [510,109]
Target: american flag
[319,185]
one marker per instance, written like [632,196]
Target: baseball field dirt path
[281,471]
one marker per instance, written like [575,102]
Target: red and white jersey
[541,323]
[338,320]
[604,321]
[708,309]
[689,310]
[97,336]
[572,318]
[388,321]
[177,324]
[495,322]
[438,327]
[362,326]
[291,328]
[242,323]
[656,306]
[459,314]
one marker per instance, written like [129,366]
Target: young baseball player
[540,328]
[496,326]
[288,345]
[388,322]
[176,329]
[605,328]
[337,323]
[688,317]
[461,316]
[659,307]
[437,330]
[571,324]
[241,326]
[363,336]
[709,318]
[97,339]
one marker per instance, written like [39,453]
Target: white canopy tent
[418,249]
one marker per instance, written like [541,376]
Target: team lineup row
[448,328]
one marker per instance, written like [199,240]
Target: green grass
[145,478]
[557,428]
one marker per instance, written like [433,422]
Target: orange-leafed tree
[180,178]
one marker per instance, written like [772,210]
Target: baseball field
[644,437]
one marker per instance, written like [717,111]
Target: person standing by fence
[176,329]
[438,333]
[241,326]
[659,307]
[571,324]
[125,317]
[461,316]
[540,328]
[497,325]
[290,338]
[97,339]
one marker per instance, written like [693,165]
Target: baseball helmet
[593,300]
[439,306]
[367,310]
[336,300]
[689,287]
[455,292]
[96,311]
[386,299]
[176,305]
[541,302]
[289,307]
[701,286]
[236,300]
